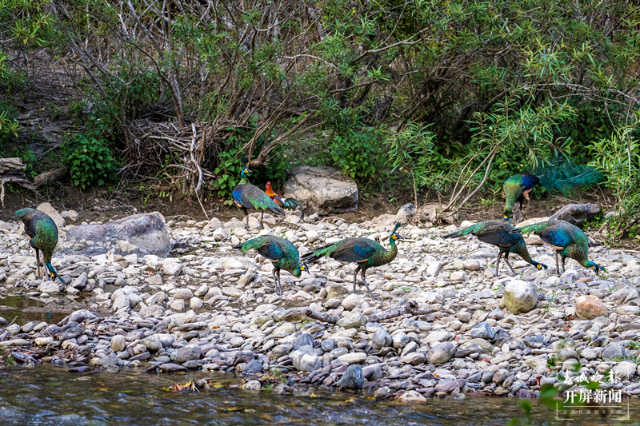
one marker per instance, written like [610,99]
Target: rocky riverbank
[457,330]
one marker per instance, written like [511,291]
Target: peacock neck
[390,254]
[522,251]
[244,180]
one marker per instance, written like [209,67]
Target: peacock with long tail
[43,235]
[282,254]
[568,241]
[285,203]
[365,252]
[554,178]
[504,236]
[247,196]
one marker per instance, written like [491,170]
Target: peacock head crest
[394,235]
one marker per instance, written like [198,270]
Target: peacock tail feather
[566,177]
[535,227]
[487,225]
[292,204]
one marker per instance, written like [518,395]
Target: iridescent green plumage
[365,252]
[282,254]
[568,241]
[43,235]
[504,236]
[247,196]
[558,177]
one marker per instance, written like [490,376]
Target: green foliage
[8,124]
[413,150]
[618,157]
[27,21]
[90,161]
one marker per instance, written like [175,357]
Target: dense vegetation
[447,97]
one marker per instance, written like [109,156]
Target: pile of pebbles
[209,308]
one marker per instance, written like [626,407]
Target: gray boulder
[325,189]
[305,359]
[441,353]
[577,213]
[353,378]
[381,338]
[482,330]
[188,353]
[141,234]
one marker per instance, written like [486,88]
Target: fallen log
[411,308]
[12,171]
[10,164]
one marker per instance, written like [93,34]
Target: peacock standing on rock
[285,203]
[365,252]
[247,196]
[555,178]
[506,237]
[43,236]
[568,241]
[282,254]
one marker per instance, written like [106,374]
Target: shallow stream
[48,395]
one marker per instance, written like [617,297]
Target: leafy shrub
[618,157]
[90,161]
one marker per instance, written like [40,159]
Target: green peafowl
[365,252]
[285,203]
[568,241]
[282,254]
[557,178]
[247,196]
[43,236]
[506,237]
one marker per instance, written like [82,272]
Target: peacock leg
[364,271]
[38,262]
[564,269]
[275,281]
[261,216]
[280,282]
[557,265]
[498,264]
[506,259]
[355,277]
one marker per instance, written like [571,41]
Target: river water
[48,395]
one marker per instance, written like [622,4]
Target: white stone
[171,266]
[196,303]
[353,358]
[520,297]
[352,301]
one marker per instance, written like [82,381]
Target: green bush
[90,161]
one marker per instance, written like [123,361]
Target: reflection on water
[49,396]
[24,309]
